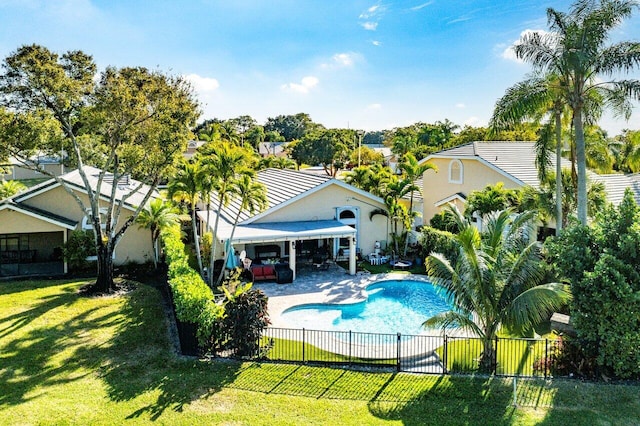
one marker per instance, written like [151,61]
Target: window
[455,171]
[86,220]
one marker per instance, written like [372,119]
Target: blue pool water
[391,307]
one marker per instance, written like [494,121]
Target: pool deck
[333,285]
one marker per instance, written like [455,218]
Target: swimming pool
[394,306]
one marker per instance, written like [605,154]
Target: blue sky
[361,64]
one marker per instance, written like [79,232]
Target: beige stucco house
[475,165]
[35,224]
[307,215]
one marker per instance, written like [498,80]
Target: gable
[15,219]
[321,204]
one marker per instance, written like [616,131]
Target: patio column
[65,265]
[292,257]
[352,255]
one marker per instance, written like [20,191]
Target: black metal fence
[439,354]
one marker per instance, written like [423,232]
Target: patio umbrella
[231,256]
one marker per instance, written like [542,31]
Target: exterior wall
[322,205]
[476,176]
[135,245]
[18,173]
[13,222]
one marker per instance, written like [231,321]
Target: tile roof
[517,160]
[125,188]
[282,185]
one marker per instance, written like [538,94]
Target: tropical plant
[251,198]
[602,264]
[413,170]
[491,199]
[224,162]
[10,188]
[495,281]
[185,187]
[156,216]
[576,52]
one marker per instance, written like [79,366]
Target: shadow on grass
[62,337]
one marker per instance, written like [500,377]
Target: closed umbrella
[231,258]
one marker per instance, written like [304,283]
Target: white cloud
[460,105]
[305,85]
[369,26]
[203,84]
[376,43]
[473,121]
[374,107]
[421,6]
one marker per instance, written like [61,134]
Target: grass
[68,359]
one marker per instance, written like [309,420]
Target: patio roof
[283,231]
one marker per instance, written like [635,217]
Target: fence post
[445,356]
[495,360]
[547,361]
[303,360]
[350,343]
[398,367]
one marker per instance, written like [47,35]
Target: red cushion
[257,271]
[268,270]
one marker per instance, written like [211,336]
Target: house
[308,215]
[475,165]
[17,171]
[35,224]
[277,149]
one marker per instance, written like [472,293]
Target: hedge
[192,297]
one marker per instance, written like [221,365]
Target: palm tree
[577,53]
[495,281]
[156,216]
[534,98]
[252,199]
[413,170]
[10,187]
[224,162]
[185,187]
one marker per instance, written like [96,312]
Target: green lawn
[67,359]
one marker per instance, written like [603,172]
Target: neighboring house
[475,165]
[17,171]
[307,215]
[277,149]
[192,148]
[35,224]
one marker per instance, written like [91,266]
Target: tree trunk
[104,280]
[581,159]
[559,215]
[196,239]
[488,361]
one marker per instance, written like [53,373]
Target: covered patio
[288,240]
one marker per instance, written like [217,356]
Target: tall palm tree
[532,99]
[185,187]
[252,198]
[576,51]
[413,170]
[156,216]
[224,162]
[495,281]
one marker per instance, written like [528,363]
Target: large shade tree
[137,119]
[576,50]
[496,280]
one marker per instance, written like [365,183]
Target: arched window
[456,171]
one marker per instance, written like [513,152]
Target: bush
[192,297]
[246,316]
[435,241]
[445,221]
[80,245]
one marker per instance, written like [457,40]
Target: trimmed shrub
[192,297]
[80,245]
[435,241]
